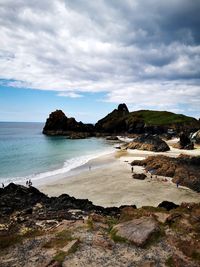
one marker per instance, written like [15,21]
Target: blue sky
[20,104]
[86,57]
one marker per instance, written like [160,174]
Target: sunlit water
[26,153]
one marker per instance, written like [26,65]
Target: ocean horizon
[26,153]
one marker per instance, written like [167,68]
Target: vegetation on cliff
[121,121]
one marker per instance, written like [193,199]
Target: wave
[68,165]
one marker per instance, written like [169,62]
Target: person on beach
[3,185]
[27,183]
[89,168]
[132,169]
[177,184]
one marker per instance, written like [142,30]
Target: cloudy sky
[87,56]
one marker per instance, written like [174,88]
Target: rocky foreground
[36,230]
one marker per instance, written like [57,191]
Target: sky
[85,57]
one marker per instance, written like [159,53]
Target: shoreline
[110,182]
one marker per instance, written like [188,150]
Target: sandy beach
[109,182]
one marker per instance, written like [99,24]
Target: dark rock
[168,205]
[184,142]
[81,135]
[59,124]
[139,176]
[112,138]
[17,198]
[121,121]
[196,137]
[150,143]
[185,169]
[114,122]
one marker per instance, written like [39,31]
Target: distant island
[121,122]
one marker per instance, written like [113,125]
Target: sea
[26,153]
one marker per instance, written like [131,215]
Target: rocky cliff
[121,121]
[59,124]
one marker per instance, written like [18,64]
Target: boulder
[139,176]
[150,143]
[168,205]
[196,137]
[112,138]
[184,142]
[137,231]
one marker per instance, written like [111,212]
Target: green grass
[60,240]
[111,222]
[10,240]
[13,239]
[152,117]
[117,238]
[90,224]
[170,262]
[196,256]
[61,255]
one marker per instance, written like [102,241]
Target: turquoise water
[26,153]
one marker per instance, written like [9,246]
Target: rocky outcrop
[137,231]
[139,176]
[59,124]
[185,169]
[196,137]
[168,205]
[114,122]
[150,143]
[17,197]
[184,142]
[121,121]
[77,135]
[112,138]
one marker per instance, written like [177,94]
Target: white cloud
[127,49]
[70,94]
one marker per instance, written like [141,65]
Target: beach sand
[109,182]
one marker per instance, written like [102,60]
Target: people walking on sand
[3,185]
[177,184]
[89,168]
[132,169]
[27,183]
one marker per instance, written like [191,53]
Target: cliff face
[59,124]
[121,121]
[114,122]
[145,121]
